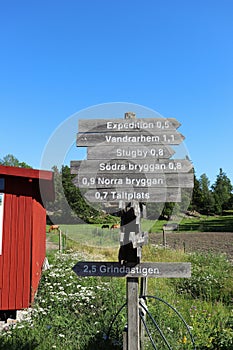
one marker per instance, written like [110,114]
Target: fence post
[60,240]
[164,238]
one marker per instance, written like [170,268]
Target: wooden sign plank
[131,166]
[152,195]
[114,269]
[129,152]
[118,125]
[171,137]
[136,180]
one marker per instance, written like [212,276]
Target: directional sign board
[114,269]
[132,166]
[131,159]
[129,152]
[129,194]
[105,180]
[129,163]
[140,138]
[119,125]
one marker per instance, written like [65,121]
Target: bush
[211,278]
[70,313]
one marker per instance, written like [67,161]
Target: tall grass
[75,313]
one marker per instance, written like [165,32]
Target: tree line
[70,207]
[212,199]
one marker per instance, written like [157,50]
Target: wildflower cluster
[68,312]
[211,276]
[60,286]
[212,328]
[75,313]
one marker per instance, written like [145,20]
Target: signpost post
[128,164]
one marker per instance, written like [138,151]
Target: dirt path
[51,245]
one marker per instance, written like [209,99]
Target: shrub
[211,278]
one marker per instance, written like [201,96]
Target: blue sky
[172,56]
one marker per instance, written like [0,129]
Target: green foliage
[207,197]
[69,312]
[75,313]
[207,224]
[212,199]
[211,279]
[10,160]
[154,210]
[222,192]
[211,326]
[92,235]
[196,197]
[69,205]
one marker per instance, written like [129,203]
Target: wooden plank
[35,248]
[15,203]
[133,314]
[126,138]
[6,256]
[129,166]
[114,269]
[118,125]
[38,245]
[20,257]
[26,172]
[129,152]
[152,195]
[1,272]
[181,180]
[2,198]
[27,252]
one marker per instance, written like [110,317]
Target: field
[75,313]
[215,242]
[203,234]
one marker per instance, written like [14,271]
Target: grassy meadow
[75,313]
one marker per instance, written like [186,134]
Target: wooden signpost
[114,269]
[129,164]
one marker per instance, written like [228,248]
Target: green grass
[208,224]
[89,234]
[75,313]
[202,224]
[93,235]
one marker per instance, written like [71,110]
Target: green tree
[207,198]
[57,210]
[196,202]
[69,206]
[10,160]
[222,190]
[168,210]
[75,198]
[153,210]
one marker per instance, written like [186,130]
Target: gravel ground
[21,315]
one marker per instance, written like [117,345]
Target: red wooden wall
[38,245]
[15,261]
[23,244]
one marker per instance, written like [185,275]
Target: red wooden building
[23,193]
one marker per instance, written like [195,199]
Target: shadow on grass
[30,345]
[211,224]
[101,344]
